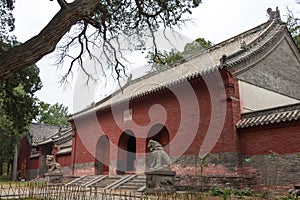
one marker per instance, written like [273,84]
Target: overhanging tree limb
[131,19]
[45,42]
[63,4]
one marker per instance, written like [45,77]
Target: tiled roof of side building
[63,136]
[43,133]
[233,51]
[40,132]
[270,116]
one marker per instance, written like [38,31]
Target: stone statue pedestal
[160,182]
[54,177]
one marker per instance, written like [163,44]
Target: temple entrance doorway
[102,156]
[127,153]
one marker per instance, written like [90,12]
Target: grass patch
[4,179]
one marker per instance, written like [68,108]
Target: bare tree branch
[111,19]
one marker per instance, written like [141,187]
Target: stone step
[106,181]
[139,181]
[140,178]
[122,182]
[128,187]
[134,184]
[82,181]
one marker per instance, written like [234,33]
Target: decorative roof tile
[270,116]
[40,134]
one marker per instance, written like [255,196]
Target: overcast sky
[215,20]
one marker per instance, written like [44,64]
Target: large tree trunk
[15,163]
[34,49]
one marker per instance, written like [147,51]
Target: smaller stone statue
[274,15]
[160,178]
[161,160]
[243,44]
[53,166]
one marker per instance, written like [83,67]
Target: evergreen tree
[53,114]
[18,107]
[293,24]
[163,59]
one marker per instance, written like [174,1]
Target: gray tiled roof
[270,116]
[45,133]
[41,132]
[63,136]
[203,63]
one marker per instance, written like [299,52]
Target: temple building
[44,139]
[231,104]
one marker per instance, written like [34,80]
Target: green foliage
[162,59]
[53,114]
[227,192]
[17,108]
[165,58]
[248,160]
[18,102]
[205,44]
[218,158]
[293,24]
[222,192]
[6,25]
[245,193]
[289,197]
[215,191]
[203,162]
[4,178]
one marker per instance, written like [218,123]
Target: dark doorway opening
[46,150]
[126,153]
[131,154]
[102,156]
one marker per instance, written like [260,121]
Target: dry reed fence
[62,192]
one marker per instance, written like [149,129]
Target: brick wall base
[217,164]
[84,169]
[273,170]
[199,183]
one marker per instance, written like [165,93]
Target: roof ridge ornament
[274,15]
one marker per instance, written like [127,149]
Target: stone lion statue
[161,160]
[53,166]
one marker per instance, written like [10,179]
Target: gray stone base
[188,182]
[160,182]
[53,178]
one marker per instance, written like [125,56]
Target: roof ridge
[252,44]
[43,124]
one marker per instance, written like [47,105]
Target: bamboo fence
[63,192]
